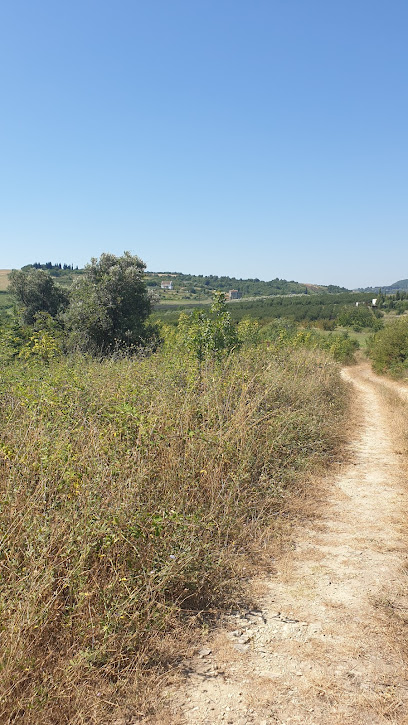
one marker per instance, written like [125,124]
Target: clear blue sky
[257,138]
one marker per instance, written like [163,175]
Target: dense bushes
[360,318]
[201,333]
[105,310]
[136,490]
[36,292]
[131,491]
[339,345]
[388,348]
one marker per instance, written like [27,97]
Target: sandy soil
[319,648]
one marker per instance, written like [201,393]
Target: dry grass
[134,497]
[392,607]
[4,273]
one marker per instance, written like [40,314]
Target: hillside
[200,287]
[400,286]
[190,287]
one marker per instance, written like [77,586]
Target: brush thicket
[133,493]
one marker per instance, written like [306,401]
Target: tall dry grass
[133,493]
[392,602]
[4,279]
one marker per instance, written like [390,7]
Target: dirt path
[319,649]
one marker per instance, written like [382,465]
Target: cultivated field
[4,273]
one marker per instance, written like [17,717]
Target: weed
[133,494]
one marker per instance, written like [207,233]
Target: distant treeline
[248,287]
[51,267]
[397,302]
[399,286]
[65,271]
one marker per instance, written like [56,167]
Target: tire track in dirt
[319,650]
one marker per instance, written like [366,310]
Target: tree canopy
[109,305]
[36,292]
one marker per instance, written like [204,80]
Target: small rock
[241,647]
[269,674]
[204,652]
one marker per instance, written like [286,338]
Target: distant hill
[200,286]
[192,287]
[400,286]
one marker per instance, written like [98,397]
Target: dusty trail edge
[319,648]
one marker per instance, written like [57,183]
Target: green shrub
[339,345]
[360,318]
[208,335]
[388,348]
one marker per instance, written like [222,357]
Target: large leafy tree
[36,292]
[109,305]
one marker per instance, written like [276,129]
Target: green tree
[109,305]
[36,292]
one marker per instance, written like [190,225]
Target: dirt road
[320,648]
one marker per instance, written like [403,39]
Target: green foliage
[106,310]
[210,334]
[307,309]
[196,333]
[36,292]
[45,340]
[388,348]
[397,302]
[14,334]
[335,289]
[359,318]
[109,306]
[284,335]
[202,285]
[7,303]
[249,333]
